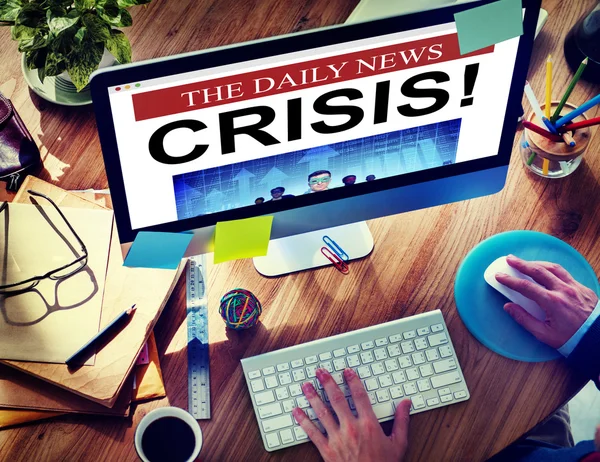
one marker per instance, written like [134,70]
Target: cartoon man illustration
[318,181]
[277,194]
[349,180]
[370,178]
[259,200]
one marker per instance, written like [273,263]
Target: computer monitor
[329,127]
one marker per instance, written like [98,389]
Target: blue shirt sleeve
[570,344]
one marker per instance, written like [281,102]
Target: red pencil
[540,131]
[582,124]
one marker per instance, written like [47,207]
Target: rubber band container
[553,159]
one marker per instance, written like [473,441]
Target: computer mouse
[500,265]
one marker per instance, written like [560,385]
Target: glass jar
[553,159]
[584,40]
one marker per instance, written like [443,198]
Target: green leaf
[55,64]
[64,42]
[83,5]
[97,29]
[31,15]
[22,32]
[35,58]
[85,61]
[58,24]
[37,41]
[128,3]
[110,11]
[9,9]
[80,35]
[118,44]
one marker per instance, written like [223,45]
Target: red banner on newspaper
[292,77]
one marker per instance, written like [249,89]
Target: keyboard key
[418,358]
[364,372]
[311,360]
[384,410]
[353,361]
[268,370]
[282,393]
[272,440]
[264,398]
[432,355]
[380,354]
[391,365]
[353,349]
[423,331]
[351,403]
[460,394]
[433,401]
[345,390]
[312,415]
[295,390]
[338,377]
[445,365]
[277,423]
[395,338]
[404,362]
[394,350]
[410,334]
[286,436]
[426,370]
[382,396]
[270,410]
[325,356]
[271,382]
[418,402]
[407,347]
[445,351]
[437,339]
[297,363]
[444,391]
[298,375]
[300,434]
[381,341]
[253,375]
[371,384]
[367,345]
[283,367]
[423,385]
[377,368]
[443,380]
[437,328]
[327,366]
[412,373]
[339,364]
[446,398]
[257,385]
[372,398]
[319,425]
[285,378]
[396,392]
[421,344]
[410,389]
[367,357]
[385,381]
[311,371]
[302,402]
[399,377]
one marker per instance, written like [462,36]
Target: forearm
[585,358]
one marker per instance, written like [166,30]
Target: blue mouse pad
[481,307]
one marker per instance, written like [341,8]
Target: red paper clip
[337,261]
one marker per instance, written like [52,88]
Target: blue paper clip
[336,248]
[336,260]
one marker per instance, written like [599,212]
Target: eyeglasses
[57,274]
[325,179]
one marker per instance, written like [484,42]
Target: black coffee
[168,439]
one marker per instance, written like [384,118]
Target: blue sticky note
[489,24]
[158,250]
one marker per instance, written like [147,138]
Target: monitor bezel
[104,79]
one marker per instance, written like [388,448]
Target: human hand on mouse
[351,438]
[566,302]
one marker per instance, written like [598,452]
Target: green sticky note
[242,238]
[489,24]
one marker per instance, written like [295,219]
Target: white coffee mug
[167,412]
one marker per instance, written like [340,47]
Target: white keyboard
[408,358]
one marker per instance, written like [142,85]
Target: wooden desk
[411,270]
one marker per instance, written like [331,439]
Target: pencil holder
[550,158]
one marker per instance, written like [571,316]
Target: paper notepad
[54,319]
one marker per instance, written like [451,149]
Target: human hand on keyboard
[566,302]
[351,438]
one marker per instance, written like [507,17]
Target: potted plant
[71,36]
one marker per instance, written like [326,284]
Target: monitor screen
[305,119]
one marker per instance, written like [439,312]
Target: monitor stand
[303,251]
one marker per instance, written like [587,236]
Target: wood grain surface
[411,270]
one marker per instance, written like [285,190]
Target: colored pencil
[581,124]
[545,166]
[548,105]
[568,138]
[569,90]
[580,110]
[533,101]
[549,125]
[540,131]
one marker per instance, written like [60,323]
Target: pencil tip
[585,61]
[132,309]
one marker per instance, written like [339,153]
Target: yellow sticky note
[242,238]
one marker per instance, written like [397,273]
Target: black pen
[88,349]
